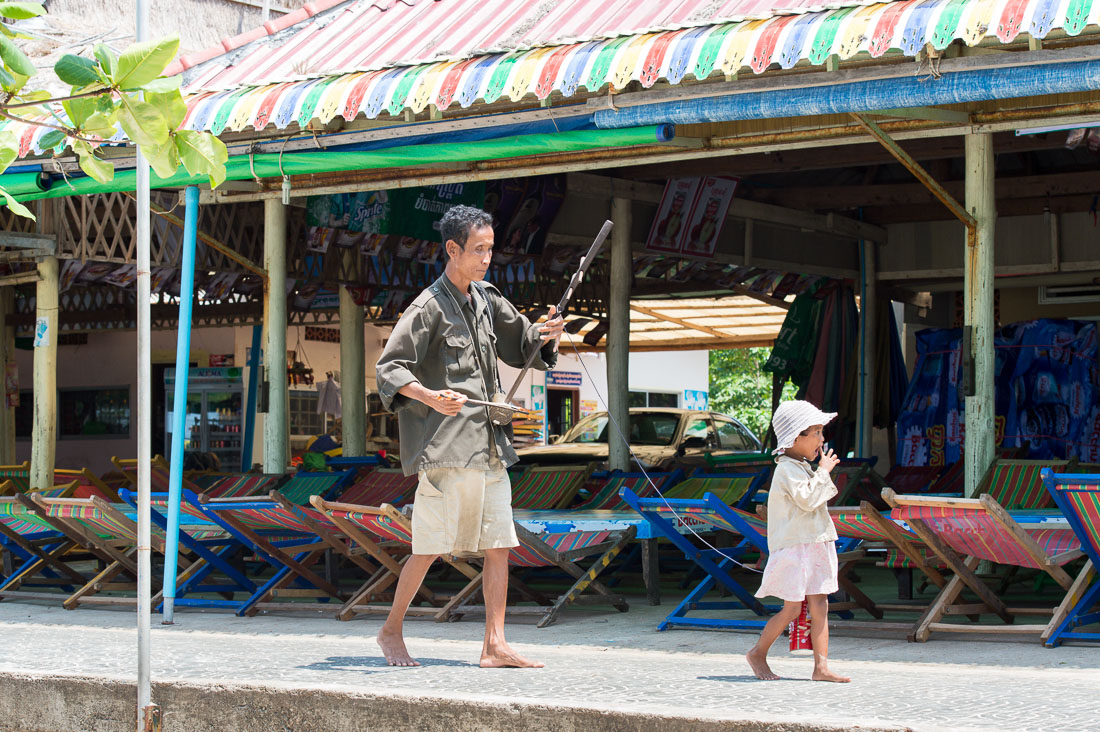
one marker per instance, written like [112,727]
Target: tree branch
[55,100]
[68,132]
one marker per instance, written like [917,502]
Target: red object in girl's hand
[800,632]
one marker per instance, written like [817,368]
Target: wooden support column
[978,447]
[7,356]
[276,424]
[44,429]
[353,376]
[868,304]
[618,334]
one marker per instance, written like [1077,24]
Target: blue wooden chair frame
[1087,610]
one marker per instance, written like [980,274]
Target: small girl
[802,561]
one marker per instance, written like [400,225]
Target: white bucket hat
[792,417]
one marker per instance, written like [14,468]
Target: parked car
[661,439]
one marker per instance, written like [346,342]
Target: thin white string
[623,437]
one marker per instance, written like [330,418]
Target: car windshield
[646,428]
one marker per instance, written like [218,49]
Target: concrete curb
[90,704]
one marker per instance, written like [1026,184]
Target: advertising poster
[712,202]
[672,215]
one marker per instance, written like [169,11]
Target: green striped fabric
[303,486]
[548,487]
[1017,484]
[729,490]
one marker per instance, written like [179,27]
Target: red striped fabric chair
[382,485]
[964,531]
[603,493]
[549,487]
[1078,496]
[1019,483]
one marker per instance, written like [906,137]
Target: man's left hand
[554,326]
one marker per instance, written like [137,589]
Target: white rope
[641,467]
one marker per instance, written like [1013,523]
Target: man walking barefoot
[443,351]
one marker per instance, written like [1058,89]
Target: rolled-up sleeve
[407,346]
[516,336]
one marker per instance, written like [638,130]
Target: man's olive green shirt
[433,343]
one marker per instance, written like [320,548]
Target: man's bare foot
[759,664]
[502,656]
[827,675]
[393,648]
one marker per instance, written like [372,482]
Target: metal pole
[979,444]
[275,423]
[253,390]
[44,430]
[353,376]
[618,334]
[146,711]
[179,399]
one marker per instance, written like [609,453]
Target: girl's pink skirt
[796,571]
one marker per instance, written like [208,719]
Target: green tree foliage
[107,92]
[739,387]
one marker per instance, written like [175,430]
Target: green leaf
[165,159]
[21,11]
[96,167]
[169,104]
[203,154]
[9,149]
[100,125]
[141,122]
[76,70]
[142,62]
[14,57]
[51,139]
[163,85]
[16,208]
[106,59]
[79,110]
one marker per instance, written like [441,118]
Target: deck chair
[113,535]
[19,477]
[740,461]
[385,535]
[239,485]
[158,474]
[603,491]
[1078,496]
[852,478]
[45,553]
[563,550]
[88,484]
[550,487]
[964,531]
[735,489]
[382,485]
[1019,484]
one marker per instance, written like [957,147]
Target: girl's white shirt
[797,510]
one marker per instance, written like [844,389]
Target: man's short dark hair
[459,221]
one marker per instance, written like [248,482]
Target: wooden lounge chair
[552,486]
[44,553]
[734,489]
[15,478]
[964,531]
[381,485]
[237,485]
[1019,484]
[1078,495]
[158,474]
[603,491]
[88,484]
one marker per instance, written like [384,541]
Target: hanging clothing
[328,397]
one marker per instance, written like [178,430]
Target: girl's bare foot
[502,656]
[827,675]
[393,648]
[758,662]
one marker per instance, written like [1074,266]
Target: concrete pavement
[68,671]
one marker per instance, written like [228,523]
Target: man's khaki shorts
[462,512]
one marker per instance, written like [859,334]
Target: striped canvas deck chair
[851,478]
[382,485]
[240,485]
[385,535]
[740,461]
[88,484]
[158,474]
[734,489]
[18,476]
[550,487]
[603,492]
[563,550]
[1078,496]
[1019,483]
[44,553]
[113,534]
[964,531]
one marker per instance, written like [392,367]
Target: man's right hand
[445,401]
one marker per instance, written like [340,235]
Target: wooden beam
[688,344]
[930,113]
[677,321]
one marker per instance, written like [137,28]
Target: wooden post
[7,356]
[44,430]
[868,304]
[618,335]
[276,424]
[978,446]
[353,376]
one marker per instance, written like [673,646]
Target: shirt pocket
[459,355]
